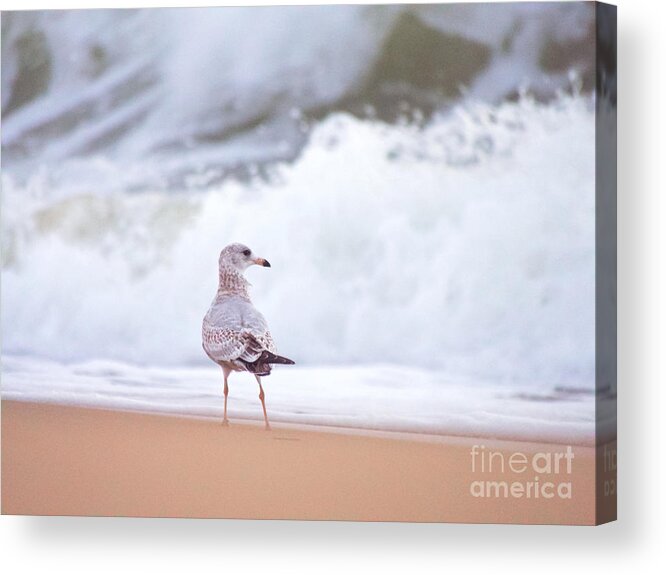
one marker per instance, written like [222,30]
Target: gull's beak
[262,262]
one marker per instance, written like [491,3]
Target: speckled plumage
[234,332]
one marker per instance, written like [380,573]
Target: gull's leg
[226,372]
[263,404]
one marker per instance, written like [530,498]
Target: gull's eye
[247,253]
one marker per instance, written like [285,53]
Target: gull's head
[240,257]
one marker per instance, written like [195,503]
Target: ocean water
[134,83]
[432,246]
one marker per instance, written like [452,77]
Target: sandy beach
[60,460]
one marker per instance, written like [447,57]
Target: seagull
[235,334]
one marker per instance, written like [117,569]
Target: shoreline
[64,460]
[373,397]
[417,436]
[277,419]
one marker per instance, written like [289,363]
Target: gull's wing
[222,344]
[236,330]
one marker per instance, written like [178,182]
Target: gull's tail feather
[262,365]
[268,357]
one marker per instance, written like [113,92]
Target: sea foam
[465,246]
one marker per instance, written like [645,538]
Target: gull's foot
[225,423]
[267,428]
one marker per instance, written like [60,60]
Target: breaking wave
[463,244]
[231,86]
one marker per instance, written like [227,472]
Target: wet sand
[59,460]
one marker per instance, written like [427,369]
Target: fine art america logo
[519,475]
